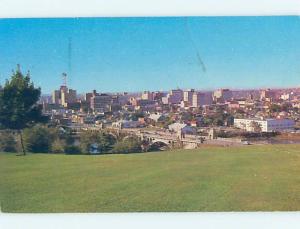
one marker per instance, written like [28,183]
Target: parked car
[246,143]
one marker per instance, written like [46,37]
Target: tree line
[45,139]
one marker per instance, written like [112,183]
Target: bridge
[169,139]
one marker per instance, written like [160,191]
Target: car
[246,143]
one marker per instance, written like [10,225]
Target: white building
[286,96]
[156,117]
[264,125]
[198,99]
[188,96]
[182,128]
[127,124]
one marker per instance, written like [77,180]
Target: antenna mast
[64,79]
[70,55]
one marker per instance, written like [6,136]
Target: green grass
[248,178]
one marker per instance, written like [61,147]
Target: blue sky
[135,54]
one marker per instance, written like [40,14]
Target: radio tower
[64,79]
[70,55]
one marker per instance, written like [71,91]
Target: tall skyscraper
[222,95]
[175,96]
[198,99]
[188,96]
[56,97]
[101,103]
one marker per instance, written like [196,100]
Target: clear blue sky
[135,54]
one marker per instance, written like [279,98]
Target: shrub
[39,139]
[66,135]
[103,141]
[8,142]
[58,146]
[72,149]
[128,145]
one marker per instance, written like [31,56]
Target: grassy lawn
[247,178]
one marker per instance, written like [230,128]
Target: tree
[275,108]
[101,140]
[7,142]
[128,145]
[72,149]
[18,104]
[39,139]
[58,146]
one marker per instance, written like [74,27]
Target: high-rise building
[68,96]
[89,95]
[56,97]
[198,99]
[72,96]
[101,103]
[267,95]
[222,95]
[64,96]
[147,95]
[175,96]
[158,95]
[188,96]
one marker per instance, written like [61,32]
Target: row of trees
[43,139]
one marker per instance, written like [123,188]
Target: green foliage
[218,119]
[278,108]
[128,145]
[18,103]
[207,121]
[275,108]
[39,139]
[72,149]
[66,136]
[58,146]
[103,140]
[8,142]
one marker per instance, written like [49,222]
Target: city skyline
[155,54]
[82,93]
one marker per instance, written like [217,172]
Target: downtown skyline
[137,54]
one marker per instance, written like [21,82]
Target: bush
[128,145]
[8,142]
[103,141]
[39,139]
[71,149]
[58,146]
[66,136]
